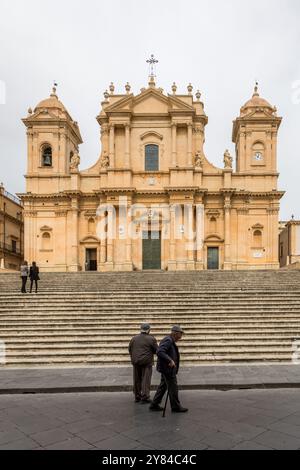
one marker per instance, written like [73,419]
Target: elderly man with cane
[142,349]
[168,359]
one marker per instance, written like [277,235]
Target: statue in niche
[105,161]
[199,160]
[228,160]
[75,161]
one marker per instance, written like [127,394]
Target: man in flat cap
[142,349]
[168,359]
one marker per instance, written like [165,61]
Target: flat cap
[177,329]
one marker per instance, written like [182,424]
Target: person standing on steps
[168,359]
[34,276]
[142,349]
[24,276]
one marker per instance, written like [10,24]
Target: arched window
[257,238]
[91,225]
[46,241]
[151,158]
[258,150]
[47,155]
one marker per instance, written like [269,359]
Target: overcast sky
[221,47]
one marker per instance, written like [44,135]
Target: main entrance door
[151,250]
[212,258]
[91,259]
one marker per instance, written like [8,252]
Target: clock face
[258,156]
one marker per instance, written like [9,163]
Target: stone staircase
[89,318]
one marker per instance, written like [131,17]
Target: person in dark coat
[142,349]
[168,360]
[34,276]
[24,276]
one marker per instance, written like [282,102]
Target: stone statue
[199,160]
[105,160]
[228,159]
[75,161]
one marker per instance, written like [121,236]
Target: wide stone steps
[88,318]
[189,360]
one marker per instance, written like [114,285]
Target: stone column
[127,145]
[200,235]
[274,150]
[103,248]
[110,238]
[74,235]
[112,146]
[190,242]
[174,144]
[28,238]
[241,152]
[190,144]
[227,215]
[172,245]
[129,263]
[30,151]
[105,138]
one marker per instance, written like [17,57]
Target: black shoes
[180,410]
[155,408]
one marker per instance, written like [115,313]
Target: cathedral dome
[52,102]
[256,102]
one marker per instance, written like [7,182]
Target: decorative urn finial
[127,88]
[111,88]
[190,89]
[106,95]
[174,88]
[198,95]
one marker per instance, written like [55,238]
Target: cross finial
[152,63]
[54,88]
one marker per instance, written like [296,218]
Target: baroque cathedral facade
[153,177]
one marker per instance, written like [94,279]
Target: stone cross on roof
[152,63]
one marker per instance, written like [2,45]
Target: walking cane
[164,413]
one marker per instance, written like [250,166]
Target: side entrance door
[91,259]
[151,250]
[212,258]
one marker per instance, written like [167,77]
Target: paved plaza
[237,419]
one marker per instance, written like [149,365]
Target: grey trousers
[167,383]
[142,382]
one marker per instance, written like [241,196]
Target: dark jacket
[142,349]
[34,273]
[166,352]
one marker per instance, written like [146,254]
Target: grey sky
[219,46]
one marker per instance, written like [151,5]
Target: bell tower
[255,136]
[52,139]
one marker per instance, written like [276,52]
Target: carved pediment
[46,228]
[262,112]
[150,101]
[214,238]
[42,114]
[89,239]
[150,134]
